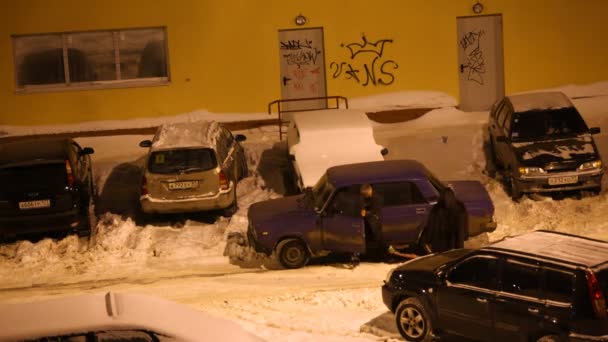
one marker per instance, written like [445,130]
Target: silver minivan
[192,166]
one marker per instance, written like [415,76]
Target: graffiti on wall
[474,64]
[300,52]
[366,64]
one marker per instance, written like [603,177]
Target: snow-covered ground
[183,259]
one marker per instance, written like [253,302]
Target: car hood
[473,196]
[568,150]
[283,213]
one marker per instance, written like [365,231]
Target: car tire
[413,321]
[292,253]
[514,191]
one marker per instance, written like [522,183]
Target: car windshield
[321,192]
[179,161]
[41,176]
[554,123]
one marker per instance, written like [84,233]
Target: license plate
[182,185]
[563,180]
[35,204]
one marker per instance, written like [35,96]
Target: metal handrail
[280,111]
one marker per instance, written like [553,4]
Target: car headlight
[596,164]
[531,171]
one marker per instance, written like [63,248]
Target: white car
[114,317]
[320,139]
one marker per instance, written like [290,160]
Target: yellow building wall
[223,54]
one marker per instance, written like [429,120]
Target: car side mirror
[501,138]
[87,150]
[240,137]
[145,143]
[594,130]
[384,151]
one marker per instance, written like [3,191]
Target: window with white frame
[91,59]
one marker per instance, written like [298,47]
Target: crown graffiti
[376,47]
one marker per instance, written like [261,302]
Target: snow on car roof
[539,101]
[562,247]
[186,134]
[330,120]
[114,311]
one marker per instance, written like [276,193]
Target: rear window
[34,177]
[177,161]
[554,123]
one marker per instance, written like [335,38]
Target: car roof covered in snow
[33,149]
[328,120]
[200,133]
[114,311]
[559,247]
[539,101]
[370,172]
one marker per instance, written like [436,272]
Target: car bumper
[46,223]
[221,200]
[586,180]
[252,241]
[388,296]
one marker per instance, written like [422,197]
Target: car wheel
[413,321]
[292,253]
[514,191]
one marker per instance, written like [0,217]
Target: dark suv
[45,185]
[540,286]
[541,144]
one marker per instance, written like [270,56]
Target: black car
[46,185]
[540,286]
[541,144]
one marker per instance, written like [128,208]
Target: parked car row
[47,184]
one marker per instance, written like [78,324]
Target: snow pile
[575,91]
[121,249]
[194,116]
[402,99]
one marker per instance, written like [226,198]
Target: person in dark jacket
[446,226]
[371,212]
[370,205]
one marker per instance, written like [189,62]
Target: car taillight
[144,185]
[68,172]
[223,181]
[597,297]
